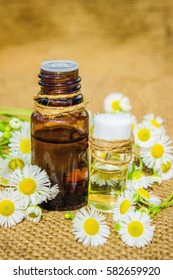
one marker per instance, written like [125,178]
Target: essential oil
[109,162]
[60,143]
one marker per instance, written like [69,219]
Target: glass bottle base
[105,208]
[102,202]
[71,203]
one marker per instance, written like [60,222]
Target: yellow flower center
[6,208]
[166,167]
[135,228]
[155,123]
[116,105]
[124,207]
[116,156]
[143,193]
[33,215]
[157,151]
[27,186]
[25,146]
[133,126]
[103,155]
[15,163]
[144,134]
[91,226]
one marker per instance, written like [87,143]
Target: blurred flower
[123,205]
[144,135]
[160,152]
[156,122]
[138,179]
[20,141]
[102,178]
[15,123]
[134,121]
[166,171]
[116,102]
[11,162]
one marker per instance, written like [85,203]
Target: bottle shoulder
[68,128]
[81,118]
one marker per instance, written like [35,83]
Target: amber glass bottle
[60,143]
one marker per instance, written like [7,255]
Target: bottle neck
[59,84]
[53,83]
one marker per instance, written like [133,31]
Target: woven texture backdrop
[52,239]
[121,46]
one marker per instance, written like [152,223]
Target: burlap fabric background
[121,46]
[52,239]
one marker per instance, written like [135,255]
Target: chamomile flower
[15,123]
[101,178]
[166,171]
[11,208]
[91,121]
[33,184]
[156,122]
[134,121]
[147,196]
[138,179]
[160,152]
[33,213]
[123,205]
[144,135]
[11,162]
[89,227]
[135,230]
[116,102]
[20,141]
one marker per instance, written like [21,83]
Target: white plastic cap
[59,65]
[112,127]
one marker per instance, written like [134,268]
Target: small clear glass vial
[108,166]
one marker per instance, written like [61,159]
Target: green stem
[145,202]
[5,142]
[11,112]
[169,198]
[155,210]
[153,214]
[141,164]
[133,168]
[139,204]
[140,161]
[164,205]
